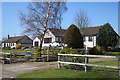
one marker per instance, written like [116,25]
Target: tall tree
[73,37]
[42,15]
[107,36]
[81,20]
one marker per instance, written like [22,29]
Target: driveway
[14,69]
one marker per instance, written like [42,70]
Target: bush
[6,55]
[38,49]
[72,59]
[37,55]
[73,37]
[69,51]
[8,48]
[95,50]
[4,48]
[18,46]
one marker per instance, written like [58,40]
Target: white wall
[88,43]
[47,35]
[9,44]
[36,39]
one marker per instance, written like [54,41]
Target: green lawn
[94,72]
[17,51]
[112,53]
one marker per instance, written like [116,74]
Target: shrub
[37,55]
[18,46]
[6,55]
[68,51]
[4,48]
[73,37]
[38,49]
[95,50]
[72,59]
[8,48]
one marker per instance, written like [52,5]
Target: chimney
[60,27]
[8,36]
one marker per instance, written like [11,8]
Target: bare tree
[81,20]
[42,15]
[4,38]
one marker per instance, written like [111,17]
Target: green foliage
[6,55]
[69,51]
[37,55]
[96,50]
[38,49]
[72,59]
[73,37]
[18,46]
[8,48]
[107,36]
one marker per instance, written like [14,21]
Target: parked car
[56,44]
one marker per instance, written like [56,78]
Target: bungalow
[12,41]
[52,34]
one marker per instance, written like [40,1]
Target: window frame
[47,41]
[90,38]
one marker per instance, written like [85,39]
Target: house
[12,41]
[52,34]
[89,36]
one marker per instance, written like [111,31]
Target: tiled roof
[13,39]
[57,32]
[90,31]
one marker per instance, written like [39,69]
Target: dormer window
[90,38]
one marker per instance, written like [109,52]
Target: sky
[99,13]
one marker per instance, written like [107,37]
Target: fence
[47,55]
[86,60]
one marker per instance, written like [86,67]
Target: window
[90,38]
[84,38]
[47,40]
[36,44]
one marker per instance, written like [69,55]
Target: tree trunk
[45,28]
[42,42]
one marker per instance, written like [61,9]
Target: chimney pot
[8,37]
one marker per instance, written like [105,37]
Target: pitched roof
[91,31]
[14,39]
[57,32]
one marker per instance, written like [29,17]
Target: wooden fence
[49,55]
[86,60]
